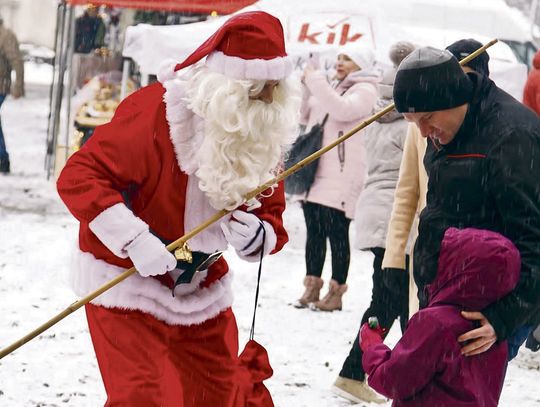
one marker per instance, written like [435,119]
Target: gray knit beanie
[399,50]
[430,79]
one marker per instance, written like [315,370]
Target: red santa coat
[145,158]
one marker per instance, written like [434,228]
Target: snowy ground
[59,368]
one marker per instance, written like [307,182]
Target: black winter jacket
[488,177]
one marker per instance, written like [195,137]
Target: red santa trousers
[145,362]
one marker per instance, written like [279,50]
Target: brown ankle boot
[332,300]
[311,294]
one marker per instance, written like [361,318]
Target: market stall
[73,68]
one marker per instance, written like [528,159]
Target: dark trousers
[324,223]
[3,149]
[517,339]
[386,306]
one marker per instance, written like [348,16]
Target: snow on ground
[59,369]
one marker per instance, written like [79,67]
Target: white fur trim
[186,130]
[116,227]
[166,70]
[238,68]
[269,244]
[191,304]
[197,211]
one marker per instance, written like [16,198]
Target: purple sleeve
[409,367]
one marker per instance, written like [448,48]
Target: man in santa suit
[174,154]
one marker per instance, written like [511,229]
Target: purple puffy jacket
[426,368]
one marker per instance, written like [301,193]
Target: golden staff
[182,240]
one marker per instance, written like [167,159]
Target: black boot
[4,165]
[533,341]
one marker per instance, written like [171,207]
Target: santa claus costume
[148,177]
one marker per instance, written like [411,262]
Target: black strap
[324,120]
[261,227]
[252,330]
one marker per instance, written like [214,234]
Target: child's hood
[476,268]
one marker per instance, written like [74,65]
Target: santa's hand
[149,255]
[370,336]
[244,231]
[480,339]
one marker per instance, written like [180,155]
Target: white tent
[322,26]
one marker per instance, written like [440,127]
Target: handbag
[306,144]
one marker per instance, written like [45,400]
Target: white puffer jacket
[384,141]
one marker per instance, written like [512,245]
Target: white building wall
[33,21]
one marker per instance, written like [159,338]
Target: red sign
[330,29]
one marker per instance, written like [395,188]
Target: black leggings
[386,306]
[324,223]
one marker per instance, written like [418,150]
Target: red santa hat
[248,46]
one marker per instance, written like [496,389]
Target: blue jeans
[516,340]
[3,150]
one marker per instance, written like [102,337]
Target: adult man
[483,163]
[10,60]
[173,155]
[410,195]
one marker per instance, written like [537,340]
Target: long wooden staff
[180,241]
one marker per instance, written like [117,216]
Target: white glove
[244,232]
[150,256]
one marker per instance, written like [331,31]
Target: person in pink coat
[329,205]
[174,154]
[427,367]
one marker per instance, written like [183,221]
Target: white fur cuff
[116,227]
[269,244]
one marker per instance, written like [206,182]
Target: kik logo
[338,33]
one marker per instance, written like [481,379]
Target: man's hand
[481,338]
[395,280]
[244,232]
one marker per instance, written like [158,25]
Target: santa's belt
[200,261]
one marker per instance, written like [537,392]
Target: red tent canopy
[194,6]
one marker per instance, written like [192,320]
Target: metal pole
[532,14]
[53,93]
[59,93]
[125,76]
[69,64]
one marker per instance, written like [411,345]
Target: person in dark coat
[427,366]
[89,31]
[483,164]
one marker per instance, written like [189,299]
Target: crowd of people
[443,191]
[457,153]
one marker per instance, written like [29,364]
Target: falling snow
[37,235]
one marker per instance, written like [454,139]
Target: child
[426,367]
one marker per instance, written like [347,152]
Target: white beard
[244,140]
